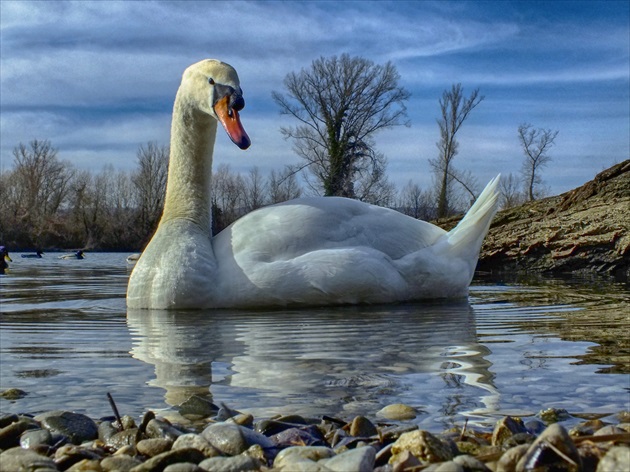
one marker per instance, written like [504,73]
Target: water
[513,348]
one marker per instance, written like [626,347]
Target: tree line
[339,105]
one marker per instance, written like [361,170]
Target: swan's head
[215,89]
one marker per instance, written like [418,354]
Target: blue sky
[98,78]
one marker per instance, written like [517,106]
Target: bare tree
[150,183]
[283,186]
[455,108]
[535,142]
[372,185]
[415,202]
[509,188]
[468,182]
[120,211]
[10,224]
[340,102]
[254,190]
[228,197]
[42,186]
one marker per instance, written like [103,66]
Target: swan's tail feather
[466,238]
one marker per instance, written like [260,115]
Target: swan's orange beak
[231,122]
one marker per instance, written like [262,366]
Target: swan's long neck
[190,167]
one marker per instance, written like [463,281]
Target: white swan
[309,251]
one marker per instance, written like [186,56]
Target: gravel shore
[205,437]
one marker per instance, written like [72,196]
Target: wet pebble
[6,420]
[154,446]
[13,394]
[506,428]
[196,441]
[362,427]
[397,412]
[197,405]
[10,434]
[76,426]
[162,429]
[305,435]
[290,457]
[232,439]
[552,450]
[70,454]
[123,438]
[509,460]
[18,458]
[360,459]
[35,437]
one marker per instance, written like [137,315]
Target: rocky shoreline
[205,437]
[585,230]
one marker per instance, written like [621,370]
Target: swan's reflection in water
[325,360]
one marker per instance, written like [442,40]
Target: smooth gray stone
[79,428]
[360,459]
[18,458]
[232,439]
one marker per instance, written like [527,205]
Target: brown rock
[362,427]
[423,445]
[506,428]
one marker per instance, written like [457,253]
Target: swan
[76,255]
[304,252]
[37,255]
[133,258]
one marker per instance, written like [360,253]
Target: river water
[514,347]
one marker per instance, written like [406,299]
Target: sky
[98,79]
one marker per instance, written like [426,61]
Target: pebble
[232,439]
[422,444]
[195,441]
[120,462]
[10,434]
[13,394]
[506,428]
[35,437]
[553,450]
[153,446]
[509,460]
[617,458]
[234,442]
[17,458]
[360,459]
[397,412]
[76,426]
[362,427]
[298,454]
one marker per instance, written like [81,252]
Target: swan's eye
[210,80]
